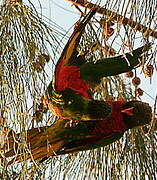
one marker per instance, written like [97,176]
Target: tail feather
[43,150]
[41,143]
[70,49]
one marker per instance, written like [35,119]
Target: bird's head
[136,113]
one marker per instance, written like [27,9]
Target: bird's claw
[72,123]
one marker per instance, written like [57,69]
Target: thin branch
[116,17]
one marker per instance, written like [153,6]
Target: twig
[116,17]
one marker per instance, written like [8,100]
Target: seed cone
[136,81]
[148,72]
[139,92]
[129,74]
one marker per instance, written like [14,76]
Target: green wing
[93,72]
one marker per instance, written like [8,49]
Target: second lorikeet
[62,138]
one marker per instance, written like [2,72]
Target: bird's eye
[69,102]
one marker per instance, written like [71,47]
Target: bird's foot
[72,123]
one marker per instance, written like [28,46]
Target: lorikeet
[62,138]
[94,123]
[71,96]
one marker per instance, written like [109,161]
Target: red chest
[114,123]
[69,77]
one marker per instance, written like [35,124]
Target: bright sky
[61,12]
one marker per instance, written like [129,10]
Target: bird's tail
[40,143]
[71,47]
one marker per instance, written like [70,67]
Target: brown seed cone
[129,74]
[142,114]
[44,57]
[38,66]
[136,81]
[148,72]
[139,92]
[107,33]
